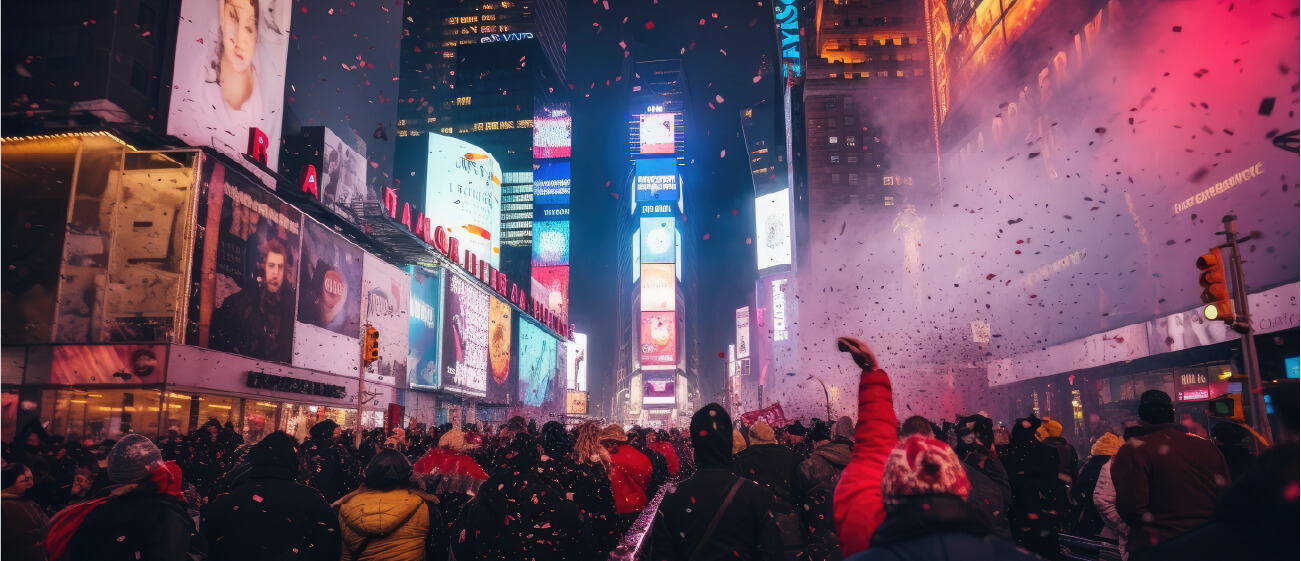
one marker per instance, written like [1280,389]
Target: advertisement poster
[658,240]
[537,363]
[499,350]
[343,180]
[658,339]
[773,229]
[576,358]
[772,414]
[552,134]
[249,244]
[465,337]
[328,334]
[551,285]
[658,289]
[422,332]
[743,332]
[657,133]
[108,364]
[386,298]
[576,403]
[657,179]
[658,389]
[550,242]
[551,183]
[229,74]
[463,195]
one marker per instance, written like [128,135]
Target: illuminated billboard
[658,389]
[538,363]
[463,195]
[659,342]
[773,228]
[658,240]
[787,13]
[578,363]
[678,237]
[551,182]
[656,133]
[743,332]
[656,179]
[657,288]
[550,243]
[552,135]
[422,332]
[499,350]
[229,75]
[551,286]
[465,337]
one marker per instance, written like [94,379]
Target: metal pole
[361,387]
[826,394]
[1255,390]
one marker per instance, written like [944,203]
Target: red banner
[772,414]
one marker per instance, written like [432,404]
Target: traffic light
[1228,406]
[370,346]
[1215,293]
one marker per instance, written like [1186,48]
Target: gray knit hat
[131,459]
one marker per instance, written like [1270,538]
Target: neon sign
[495,37]
[788,31]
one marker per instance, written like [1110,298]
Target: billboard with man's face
[246,264]
[229,74]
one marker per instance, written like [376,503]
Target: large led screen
[552,135]
[658,288]
[329,302]
[656,179]
[658,339]
[773,228]
[463,195]
[386,297]
[658,388]
[343,177]
[550,243]
[551,287]
[551,181]
[465,337]
[246,263]
[422,334]
[658,239]
[499,350]
[656,133]
[538,363]
[229,74]
[577,359]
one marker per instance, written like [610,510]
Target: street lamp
[825,393]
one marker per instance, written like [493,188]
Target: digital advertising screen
[229,74]
[385,296]
[550,243]
[463,195]
[658,288]
[499,350]
[656,133]
[466,318]
[422,331]
[658,388]
[550,285]
[743,332]
[342,179]
[538,363]
[773,229]
[658,339]
[578,363]
[552,134]
[551,181]
[656,179]
[658,239]
[680,264]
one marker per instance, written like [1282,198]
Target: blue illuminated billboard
[551,182]
[538,362]
[658,240]
[550,243]
[657,179]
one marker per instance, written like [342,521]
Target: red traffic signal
[1215,290]
[370,346]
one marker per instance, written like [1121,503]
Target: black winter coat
[268,515]
[937,528]
[329,468]
[991,491]
[816,481]
[519,515]
[588,486]
[1086,521]
[747,530]
[1039,501]
[136,524]
[774,466]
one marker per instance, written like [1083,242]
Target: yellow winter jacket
[396,521]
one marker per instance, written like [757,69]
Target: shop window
[98,415]
[186,412]
[297,419]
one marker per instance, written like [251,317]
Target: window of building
[835,158]
[831,103]
[853,158]
[835,179]
[833,140]
[882,73]
[851,141]
[889,201]
[898,73]
[849,120]
[853,179]
[146,19]
[141,80]
[917,72]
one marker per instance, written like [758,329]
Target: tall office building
[481,71]
[658,350]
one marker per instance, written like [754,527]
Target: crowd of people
[864,489]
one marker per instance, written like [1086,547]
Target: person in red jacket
[630,473]
[660,444]
[857,503]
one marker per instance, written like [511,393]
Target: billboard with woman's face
[229,74]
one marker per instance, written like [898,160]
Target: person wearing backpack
[715,514]
[389,518]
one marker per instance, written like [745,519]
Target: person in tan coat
[389,518]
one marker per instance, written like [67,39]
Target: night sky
[723,42]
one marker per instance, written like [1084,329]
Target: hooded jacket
[937,528]
[774,466]
[816,481]
[991,491]
[397,525]
[326,465]
[142,521]
[746,529]
[1039,499]
[857,502]
[267,514]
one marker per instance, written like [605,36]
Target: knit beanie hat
[738,442]
[1156,408]
[761,433]
[844,429]
[10,474]
[921,465]
[454,440]
[1049,429]
[1107,445]
[132,458]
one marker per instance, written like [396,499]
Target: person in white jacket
[1104,498]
